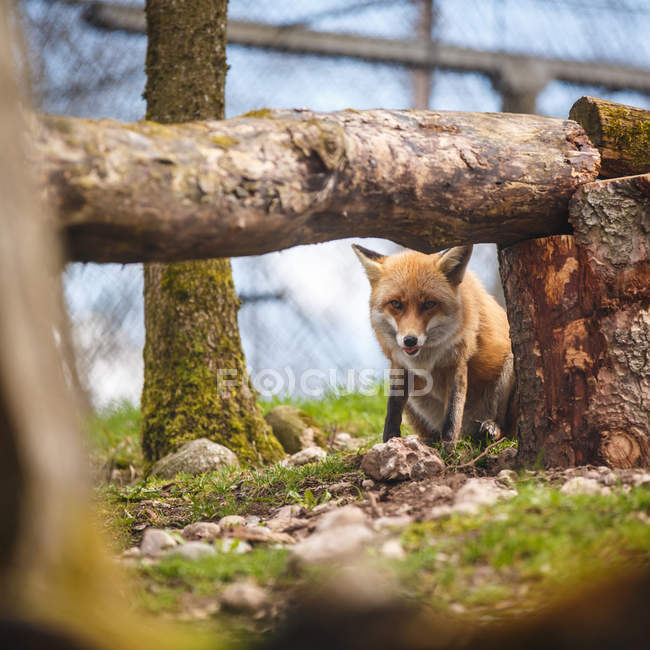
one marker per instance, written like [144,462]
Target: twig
[374,506]
[483,453]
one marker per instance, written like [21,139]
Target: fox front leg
[454,416]
[397,397]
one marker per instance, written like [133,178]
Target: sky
[323,323]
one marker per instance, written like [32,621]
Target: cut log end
[622,449]
[621,133]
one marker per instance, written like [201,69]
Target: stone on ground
[195,457]
[155,541]
[401,459]
[193,550]
[478,492]
[294,428]
[201,530]
[309,455]
[582,485]
[345,516]
[244,596]
[230,521]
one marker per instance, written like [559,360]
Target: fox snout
[410,342]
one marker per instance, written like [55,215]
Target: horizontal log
[273,179]
[621,133]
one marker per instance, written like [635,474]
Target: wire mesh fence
[306,308]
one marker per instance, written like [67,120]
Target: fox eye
[396,304]
[429,304]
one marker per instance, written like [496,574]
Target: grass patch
[517,554]
[355,413]
[207,574]
[211,496]
[114,435]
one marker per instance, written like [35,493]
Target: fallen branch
[485,452]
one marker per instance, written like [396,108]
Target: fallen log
[579,312]
[274,179]
[621,133]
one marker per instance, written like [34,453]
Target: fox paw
[490,428]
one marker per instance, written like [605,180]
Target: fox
[448,343]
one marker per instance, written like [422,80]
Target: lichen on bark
[196,384]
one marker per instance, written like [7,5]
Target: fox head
[414,302]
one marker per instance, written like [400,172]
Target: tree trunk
[621,133]
[580,329]
[196,384]
[425,179]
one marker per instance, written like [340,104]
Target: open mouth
[412,350]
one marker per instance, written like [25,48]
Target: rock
[582,485]
[401,459]
[294,428]
[393,549]
[244,596]
[232,545]
[478,492]
[392,523]
[286,512]
[344,441]
[345,516]
[367,484]
[195,457]
[437,512]
[507,476]
[132,552]
[155,541]
[260,534]
[441,492]
[230,521]
[201,530]
[609,479]
[641,479]
[288,524]
[332,543]
[193,550]
[253,520]
[309,455]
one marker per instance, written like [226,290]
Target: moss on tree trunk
[195,382]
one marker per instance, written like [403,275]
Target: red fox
[448,343]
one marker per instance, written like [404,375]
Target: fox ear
[454,262]
[371,261]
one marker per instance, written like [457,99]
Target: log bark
[579,312]
[274,179]
[621,133]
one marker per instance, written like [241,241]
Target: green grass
[519,553]
[355,413]
[208,574]
[114,435]
[232,491]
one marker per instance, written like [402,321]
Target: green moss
[224,141]
[634,142]
[260,113]
[197,385]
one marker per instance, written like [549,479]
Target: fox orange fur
[448,343]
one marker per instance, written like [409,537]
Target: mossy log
[274,179]
[621,133]
[579,312]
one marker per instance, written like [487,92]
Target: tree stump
[580,327]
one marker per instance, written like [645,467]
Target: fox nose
[410,341]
